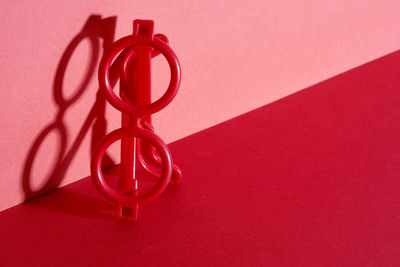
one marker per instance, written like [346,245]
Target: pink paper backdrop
[235,55]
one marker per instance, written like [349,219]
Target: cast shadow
[78,204]
[96,30]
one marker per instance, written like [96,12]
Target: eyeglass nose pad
[163,38]
[130,200]
[129,108]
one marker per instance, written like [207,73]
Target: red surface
[310,180]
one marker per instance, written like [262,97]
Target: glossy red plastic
[140,146]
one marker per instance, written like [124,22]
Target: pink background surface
[235,56]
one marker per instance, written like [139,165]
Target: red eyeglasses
[140,146]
